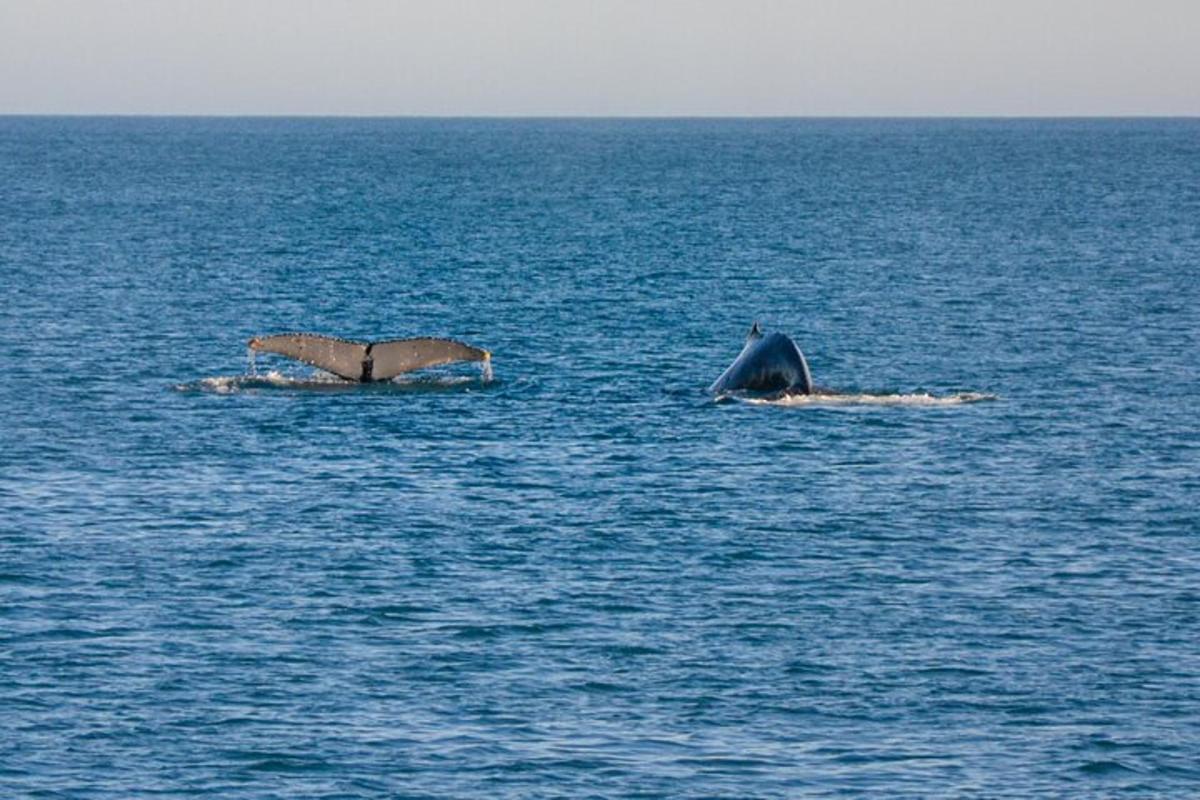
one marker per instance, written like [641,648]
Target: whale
[366,361]
[769,363]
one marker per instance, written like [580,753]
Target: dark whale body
[768,364]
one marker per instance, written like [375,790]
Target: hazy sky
[600,57]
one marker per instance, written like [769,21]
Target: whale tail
[367,361]
[398,356]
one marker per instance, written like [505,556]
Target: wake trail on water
[917,399]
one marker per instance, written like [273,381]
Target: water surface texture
[585,578]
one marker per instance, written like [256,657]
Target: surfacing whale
[366,362]
[768,364]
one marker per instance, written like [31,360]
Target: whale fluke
[368,361]
[342,357]
[397,356]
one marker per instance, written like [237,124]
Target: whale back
[768,363]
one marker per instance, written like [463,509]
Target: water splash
[485,370]
[230,384]
[251,362]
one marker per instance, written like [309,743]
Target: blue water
[585,578]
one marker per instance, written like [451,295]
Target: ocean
[973,572]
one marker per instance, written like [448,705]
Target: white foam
[431,381]
[866,399]
[230,384]
[227,384]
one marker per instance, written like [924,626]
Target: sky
[601,57]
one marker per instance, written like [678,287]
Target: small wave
[231,384]
[869,399]
[1105,768]
[268,761]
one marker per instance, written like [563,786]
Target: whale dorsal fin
[342,357]
[755,332]
[391,358]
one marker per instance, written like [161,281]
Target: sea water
[973,571]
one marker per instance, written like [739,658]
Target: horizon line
[597,117]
